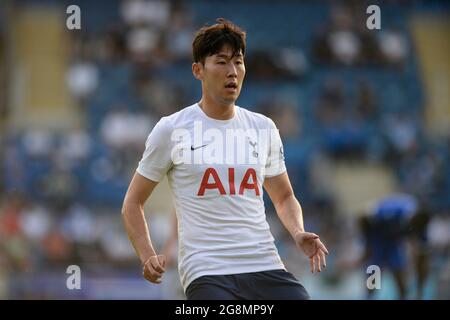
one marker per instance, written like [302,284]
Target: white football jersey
[216,169]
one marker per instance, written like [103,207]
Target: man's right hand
[154,268]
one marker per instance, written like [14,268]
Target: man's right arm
[133,216]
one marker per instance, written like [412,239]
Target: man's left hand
[311,245]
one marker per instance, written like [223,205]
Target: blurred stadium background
[363,113]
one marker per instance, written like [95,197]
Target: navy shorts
[265,285]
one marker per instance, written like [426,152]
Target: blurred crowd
[61,191]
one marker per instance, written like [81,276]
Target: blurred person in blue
[386,227]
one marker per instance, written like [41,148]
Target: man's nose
[232,70]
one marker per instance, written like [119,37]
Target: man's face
[222,75]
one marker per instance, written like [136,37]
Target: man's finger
[155,273]
[311,264]
[151,272]
[148,275]
[317,258]
[323,258]
[322,246]
[152,277]
[154,261]
[162,260]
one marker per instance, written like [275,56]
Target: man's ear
[197,70]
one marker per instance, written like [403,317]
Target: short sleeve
[275,164]
[156,160]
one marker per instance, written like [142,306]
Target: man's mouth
[232,86]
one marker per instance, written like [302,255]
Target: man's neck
[216,111]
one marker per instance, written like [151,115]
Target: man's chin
[229,101]
[231,97]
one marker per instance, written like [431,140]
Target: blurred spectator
[141,44]
[370,50]
[78,224]
[347,41]
[109,47]
[342,131]
[10,215]
[103,169]
[36,222]
[276,65]
[333,93]
[13,244]
[13,168]
[179,33]
[155,13]
[293,62]
[401,132]
[115,243]
[80,227]
[74,147]
[124,146]
[394,47]
[283,111]
[115,129]
[82,79]
[420,172]
[338,42]
[147,21]
[345,46]
[57,249]
[38,143]
[320,172]
[366,102]
[160,97]
[439,234]
[58,186]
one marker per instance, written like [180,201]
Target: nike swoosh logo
[192,147]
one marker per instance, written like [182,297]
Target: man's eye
[239,62]
[221,62]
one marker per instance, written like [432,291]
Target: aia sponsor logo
[211,181]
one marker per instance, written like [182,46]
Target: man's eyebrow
[223,55]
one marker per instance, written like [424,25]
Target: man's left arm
[290,213]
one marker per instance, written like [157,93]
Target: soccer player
[386,226]
[226,249]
